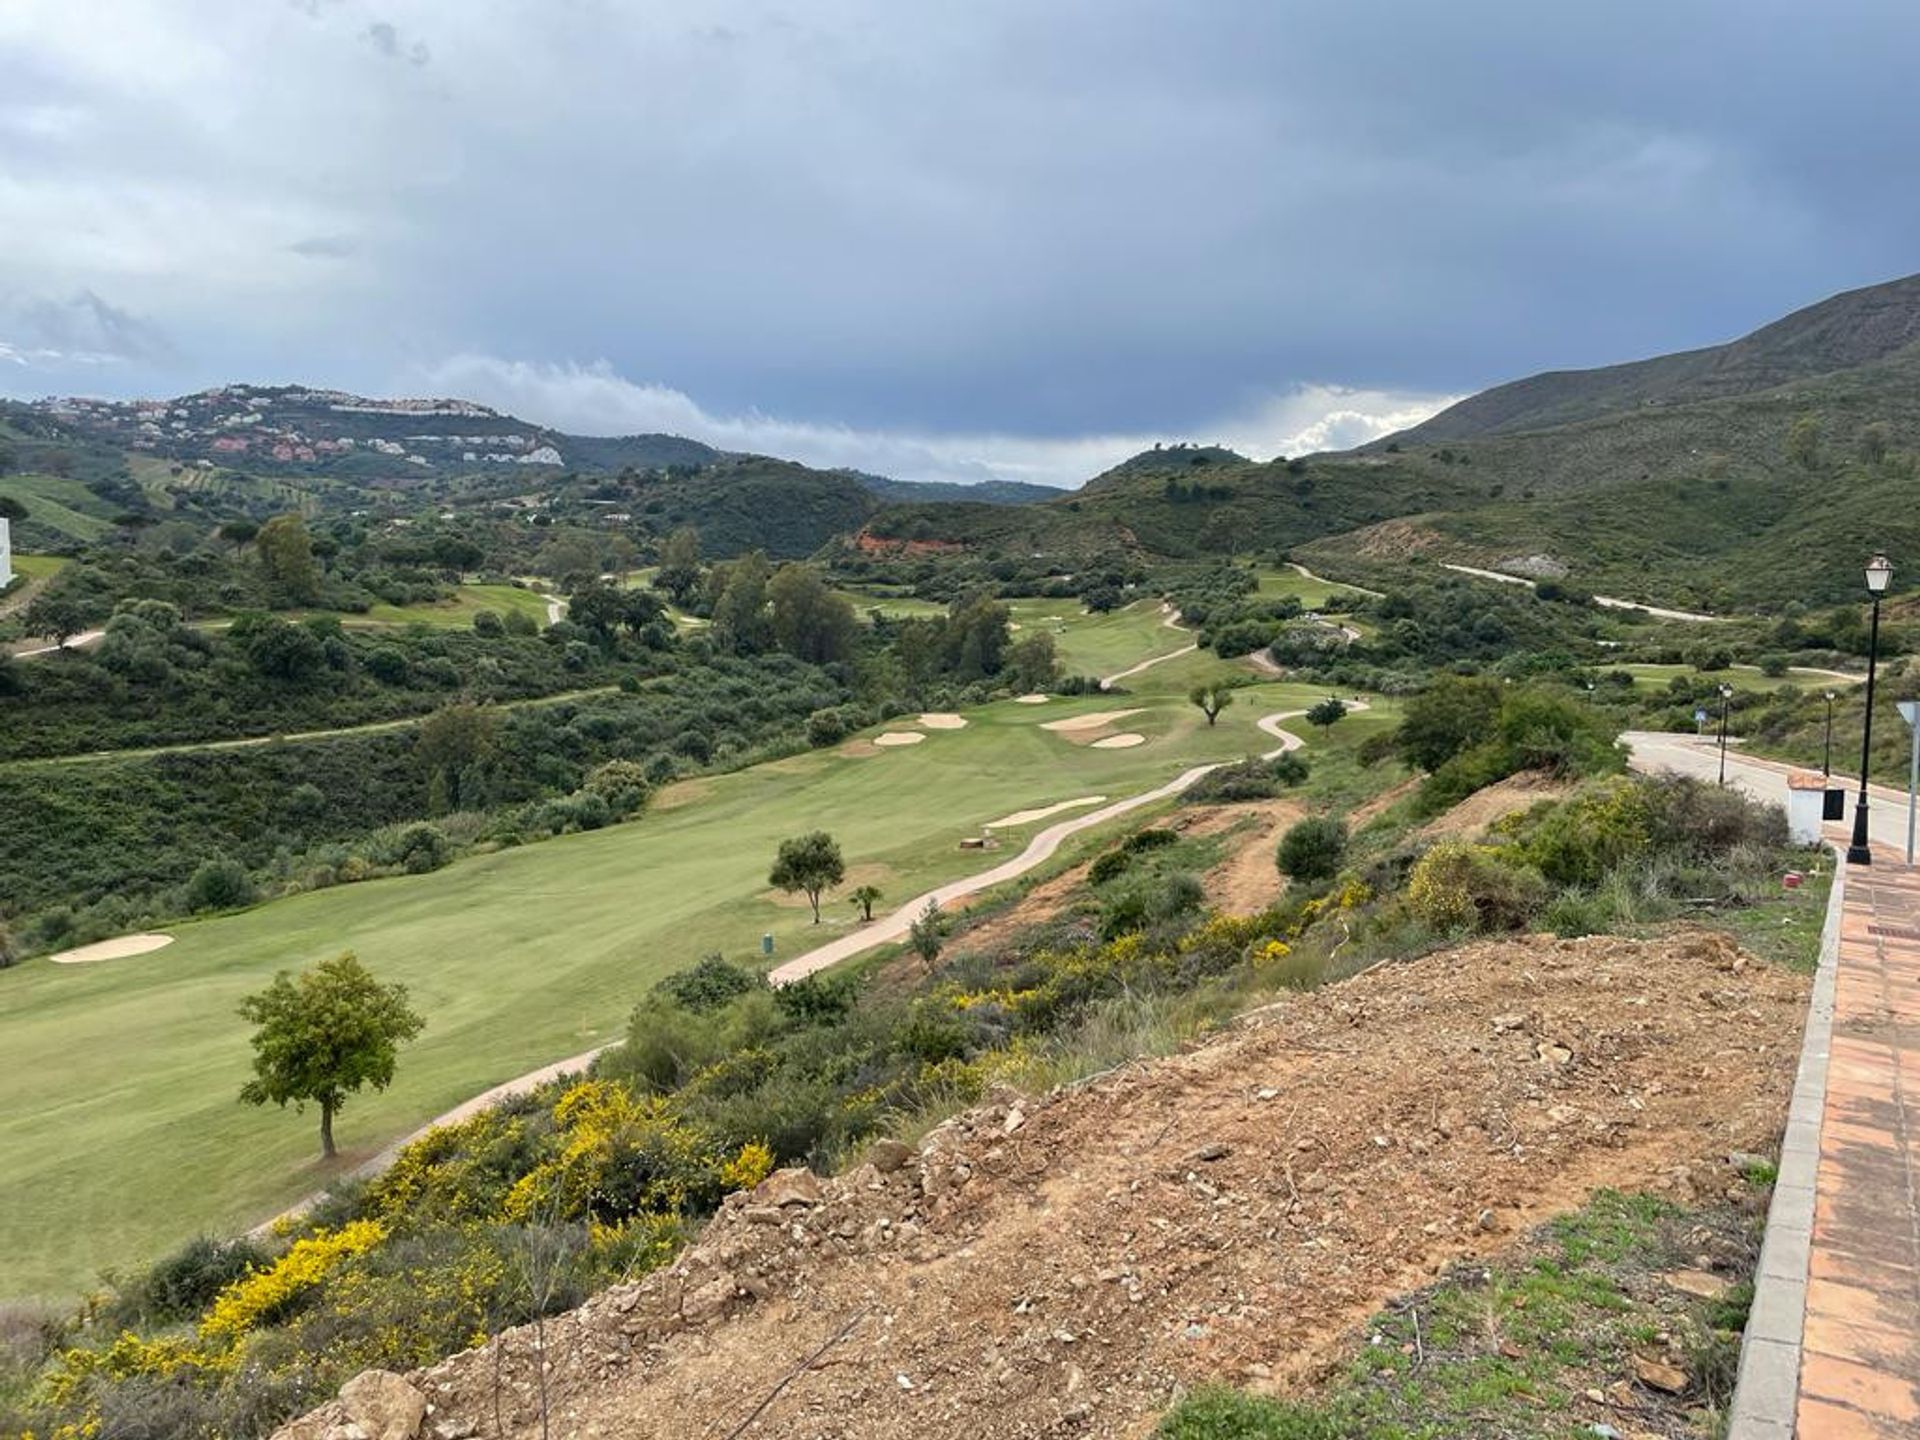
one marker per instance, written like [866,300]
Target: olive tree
[1212,698]
[323,1036]
[808,864]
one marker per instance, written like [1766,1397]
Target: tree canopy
[809,863]
[324,1036]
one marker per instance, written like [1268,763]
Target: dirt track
[1061,1267]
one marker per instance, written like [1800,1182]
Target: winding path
[1041,848]
[1610,602]
[1170,618]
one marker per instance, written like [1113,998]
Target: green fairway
[467,601]
[120,1133]
[1740,677]
[37,567]
[1312,593]
[61,504]
[1090,644]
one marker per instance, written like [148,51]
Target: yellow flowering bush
[622,1154]
[748,1168]
[267,1293]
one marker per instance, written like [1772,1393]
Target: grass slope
[119,1130]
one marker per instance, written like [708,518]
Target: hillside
[1855,328]
[1067,1265]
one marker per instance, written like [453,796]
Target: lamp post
[1589,692]
[1826,765]
[1726,698]
[1879,574]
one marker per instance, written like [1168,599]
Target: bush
[1458,886]
[182,1285]
[1313,849]
[416,848]
[1109,866]
[710,985]
[487,623]
[1250,779]
[220,884]
[623,784]
[826,727]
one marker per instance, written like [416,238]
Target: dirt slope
[1061,1267]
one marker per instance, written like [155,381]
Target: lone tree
[808,863]
[924,935]
[1327,714]
[864,896]
[1211,698]
[324,1036]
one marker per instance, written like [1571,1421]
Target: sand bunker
[941,720]
[1119,742]
[899,737]
[116,949]
[1045,812]
[1087,722]
[1031,699]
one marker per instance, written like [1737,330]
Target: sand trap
[1045,812]
[116,949]
[1031,699]
[899,737]
[1119,742]
[941,720]
[1087,722]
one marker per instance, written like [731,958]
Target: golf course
[120,1130]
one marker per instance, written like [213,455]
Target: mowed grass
[59,503]
[120,1133]
[1311,593]
[38,567]
[458,612]
[1089,644]
[1740,677]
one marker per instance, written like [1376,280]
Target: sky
[1002,238]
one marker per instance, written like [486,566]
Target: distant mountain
[1855,328]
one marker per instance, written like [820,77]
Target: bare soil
[1483,809]
[1062,1266]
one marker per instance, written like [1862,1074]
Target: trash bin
[1836,807]
[766,943]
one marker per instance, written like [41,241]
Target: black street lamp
[1879,573]
[1826,765]
[1726,698]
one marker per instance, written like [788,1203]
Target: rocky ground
[1067,1265]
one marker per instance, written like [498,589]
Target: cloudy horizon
[1006,241]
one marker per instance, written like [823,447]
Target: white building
[6,553]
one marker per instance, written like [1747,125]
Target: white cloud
[596,400]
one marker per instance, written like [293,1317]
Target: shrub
[1458,886]
[1313,849]
[487,623]
[623,784]
[826,727]
[416,848]
[1250,779]
[710,985]
[220,884]
[182,1285]
[1109,866]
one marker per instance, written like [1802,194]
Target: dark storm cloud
[1083,219]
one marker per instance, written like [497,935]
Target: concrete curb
[1768,1390]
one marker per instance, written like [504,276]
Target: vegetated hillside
[1752,501]
[744,502]
[1060,528]
[1854,328]
[986,492]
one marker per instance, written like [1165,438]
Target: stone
[709,1302]
[384,1405]
[1658,1375]
[1701,1284]
[1504,1023]
[795,1186]
[1206,1153]
[887,1156]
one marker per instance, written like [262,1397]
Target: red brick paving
[1860,1364]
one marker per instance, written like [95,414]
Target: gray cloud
[325,247]
[1085,219]
[81,330]
[385,38]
